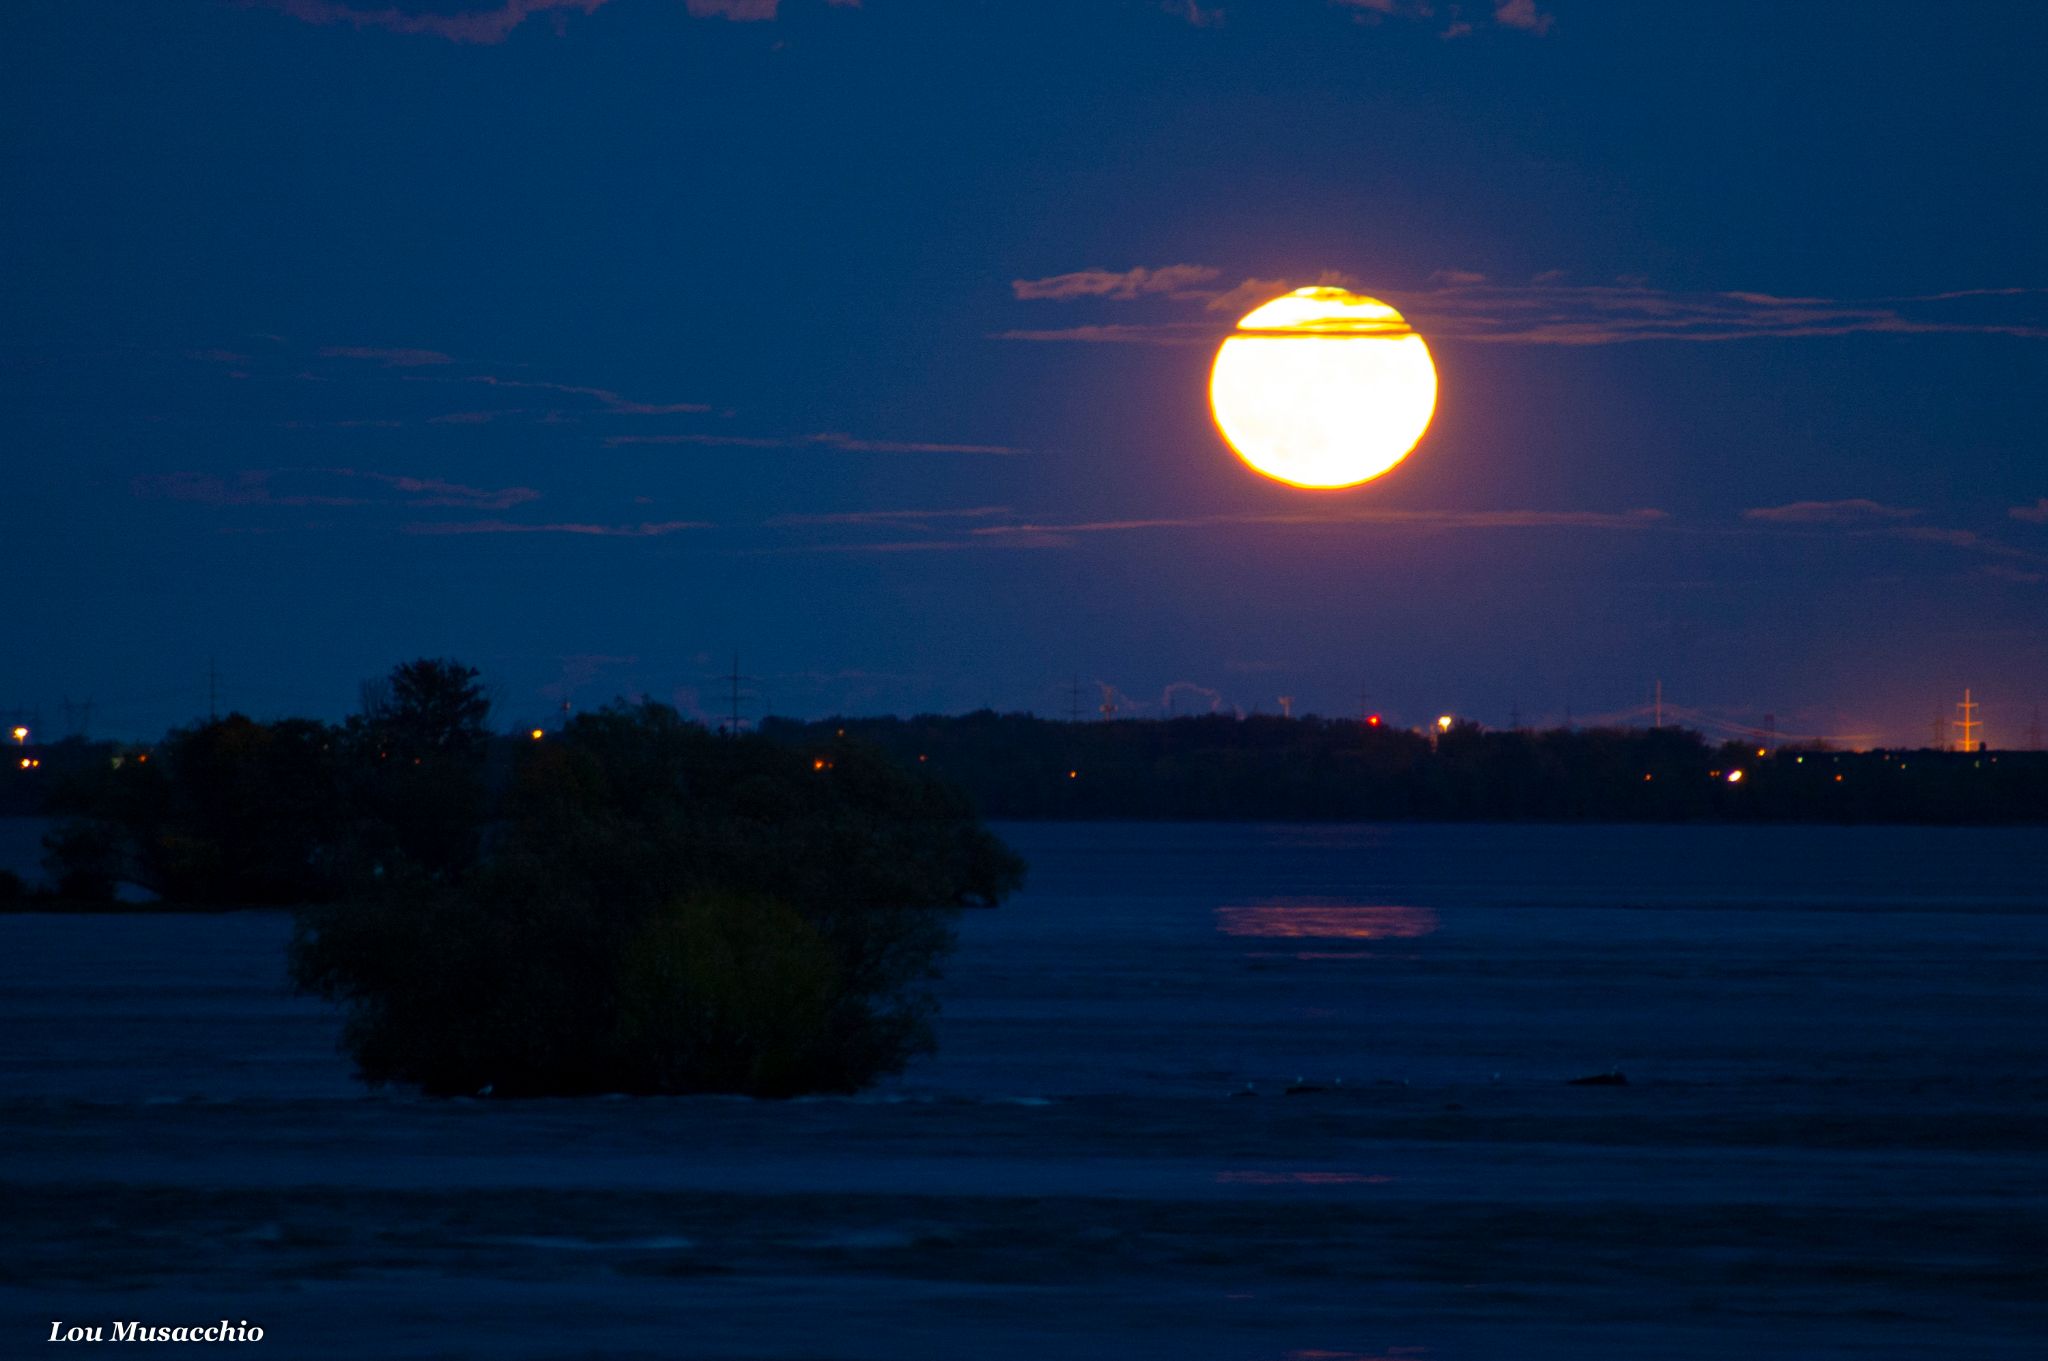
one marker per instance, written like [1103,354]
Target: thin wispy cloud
[2036,514]
[600,531]
[1124,285]
[1522,15]
[614,402]
[828,440]
[1410,519]
[1188,11]
[389,358]
[486,25]
[892,517]
[1551,311]
[492,23]
[1856,511]
[325,487]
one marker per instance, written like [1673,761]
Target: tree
[664,910]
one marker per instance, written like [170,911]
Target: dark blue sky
[593,341]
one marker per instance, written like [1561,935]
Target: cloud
[390,359]
[1969,540]
[494,23]
[1522,14]
[1193,13]
[481,26]
[1516,14]
[1549,311]
[605,397]
[828,440]
[2019,574]
[261,487]
[891,517]
[1412,519]
[639,531]
[2036,514]
[1173,280]
[1856,511]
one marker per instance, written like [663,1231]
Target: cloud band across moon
[1544,311]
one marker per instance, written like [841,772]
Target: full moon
[1323,388]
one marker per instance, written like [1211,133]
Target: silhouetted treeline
[1309,769]
[630,903]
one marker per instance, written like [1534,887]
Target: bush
[663,910]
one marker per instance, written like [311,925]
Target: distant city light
[1443,724]
[537,734]
[21,734]
[1373,722]
[818,764]
[1734,777]
[1073,774]
[24,763]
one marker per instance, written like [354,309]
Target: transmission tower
[1074,700]
[1967,723]
[735,721]
[2034,731]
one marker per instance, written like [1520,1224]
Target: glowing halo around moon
[1323,388]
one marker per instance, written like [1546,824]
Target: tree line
[1017,766]
[630,904]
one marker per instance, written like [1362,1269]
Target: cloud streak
[492,24]
[1549,311]
[638,531]
[829,440]
[1406,519]
[1172,280]
[286,487]
[1856,511]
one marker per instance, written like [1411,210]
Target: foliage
[1304,769]
[238,813]
[663,910]
[417,756]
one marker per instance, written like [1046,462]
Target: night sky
[592,341]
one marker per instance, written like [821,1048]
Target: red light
[1373,722]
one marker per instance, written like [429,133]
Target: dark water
[1831,1144]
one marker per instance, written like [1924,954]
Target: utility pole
[1968,723]
[1770,732]
[1660,706]
[1074,700]
[733,721]
[2034,731]
[1940,731]
[1515,718]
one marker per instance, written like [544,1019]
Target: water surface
[1830,1144]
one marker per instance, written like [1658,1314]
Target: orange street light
[21,734]
[1734,777]
[537,734]
[1443,724]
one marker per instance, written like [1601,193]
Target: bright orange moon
[1323,388]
